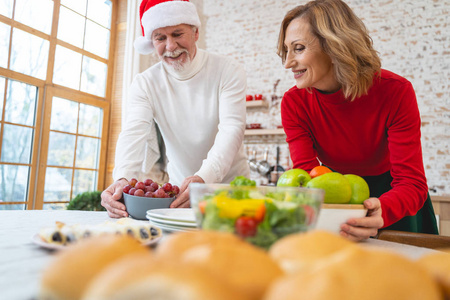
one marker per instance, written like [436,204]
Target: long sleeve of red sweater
[369,136]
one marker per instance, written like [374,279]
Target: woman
[354,117]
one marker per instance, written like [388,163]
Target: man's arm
[232,114]
[136,130]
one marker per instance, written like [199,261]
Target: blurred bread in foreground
[244,267]
[354,274]
[299,251]
[144,277]
[178,243]
[438,264]
[73,268]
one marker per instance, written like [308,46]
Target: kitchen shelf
[257,103]
[277,131]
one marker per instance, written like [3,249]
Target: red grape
[133,182]
[140,185]
[139,193]
[155,186]
[127,188]
[148,194]
[149,189]
[131,191]
[167,187]
[160,193]
[148,181]
[175,189]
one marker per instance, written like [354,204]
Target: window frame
[46,91]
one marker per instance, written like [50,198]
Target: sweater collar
[190,71]
[333,98]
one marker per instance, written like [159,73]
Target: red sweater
[375,133]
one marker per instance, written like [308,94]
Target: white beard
[177,65]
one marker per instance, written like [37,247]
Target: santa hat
[156,14]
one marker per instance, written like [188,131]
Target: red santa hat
[156,14]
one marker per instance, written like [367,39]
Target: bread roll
[354,274]
[297,251]
[177,243]
[144,277]
[73,268]
[246,268]
[438,263]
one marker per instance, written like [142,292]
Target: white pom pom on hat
[156,14]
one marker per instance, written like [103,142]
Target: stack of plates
[173,219]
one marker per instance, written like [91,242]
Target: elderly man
[195,97]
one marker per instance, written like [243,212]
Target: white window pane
[90,120]
[61,150]
[100,12]
[77,5]
[2,94]
[17,144]
[64,115]
[35,13]
[57,184]
[93,77]
[71,27]
[88,150]
[6,8]
[20,103]
[5,31]
[29,54]
[13,183]
[84,181]
[96,39]
[67,67]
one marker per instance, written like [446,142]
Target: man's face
[175,45]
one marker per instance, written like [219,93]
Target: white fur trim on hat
[165,14]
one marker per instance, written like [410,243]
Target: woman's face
[311,66]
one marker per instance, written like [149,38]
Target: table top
[22,261]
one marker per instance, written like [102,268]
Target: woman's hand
[111,197]
[358,229]
[182,199]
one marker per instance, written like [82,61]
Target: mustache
[175,53]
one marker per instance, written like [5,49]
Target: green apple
[337,188]
[294,177]
[360,189]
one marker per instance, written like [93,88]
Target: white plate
[332,216]
[173,214]
[170,222]
[170,228]
[38,241]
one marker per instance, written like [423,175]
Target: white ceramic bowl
[137,207]
[331,216]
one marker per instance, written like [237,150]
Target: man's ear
[197,34]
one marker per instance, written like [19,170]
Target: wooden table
[22,262]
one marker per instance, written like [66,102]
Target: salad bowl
[259,214]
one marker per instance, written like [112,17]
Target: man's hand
[111,197]
[182,199]
[358,229]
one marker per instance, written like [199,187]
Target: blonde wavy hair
[344,37]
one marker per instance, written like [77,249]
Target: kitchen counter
[22,261]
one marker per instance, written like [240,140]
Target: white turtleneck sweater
[201,115]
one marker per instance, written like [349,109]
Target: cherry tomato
[246,226]
[310,214]
[202,206]
[248,97]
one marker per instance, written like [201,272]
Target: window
[55,71]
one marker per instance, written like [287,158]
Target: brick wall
[412,37]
